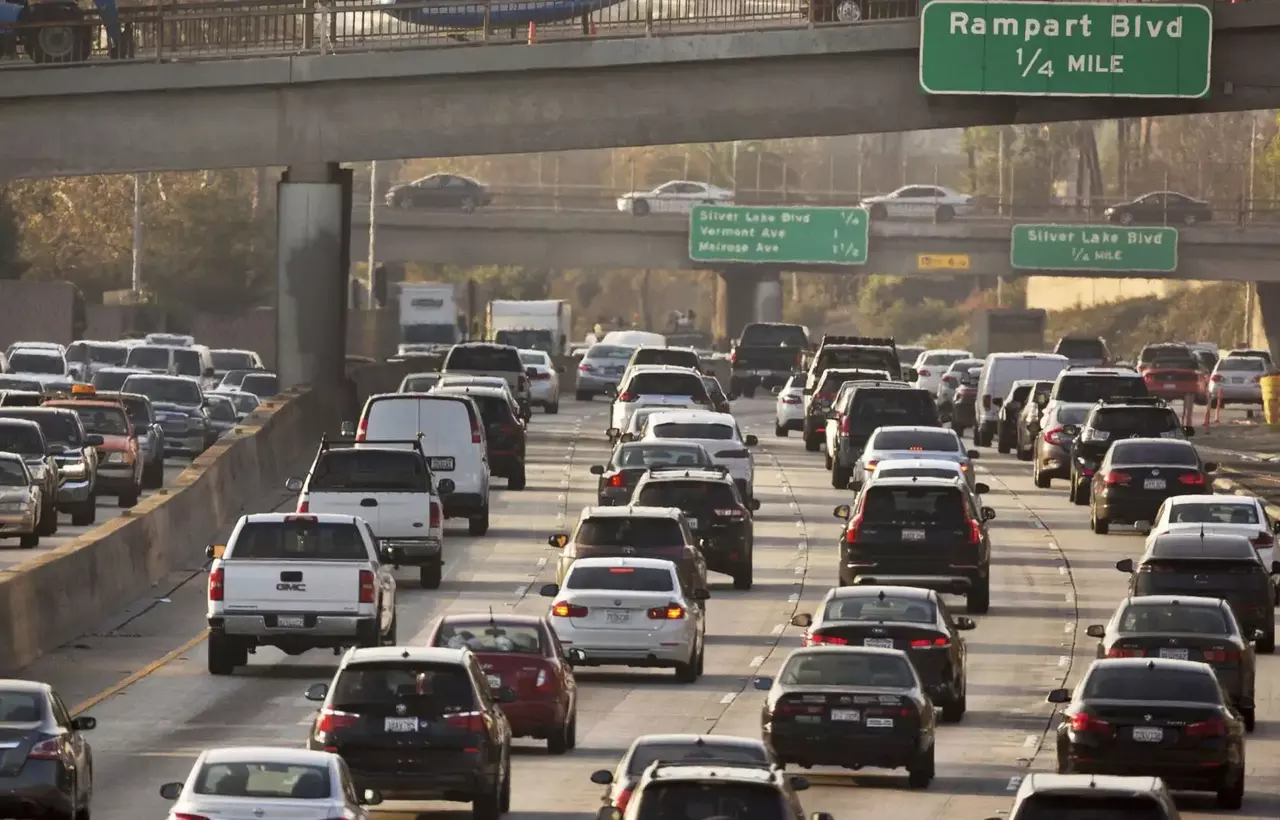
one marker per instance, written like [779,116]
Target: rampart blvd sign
[1094,248]
[1065,49]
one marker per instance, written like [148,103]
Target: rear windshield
[695,430]
[923,472]
[493,410]
[1153,419]
[476,357]
[875,608]
[299,540]
[1138,682]
[1071,415]
[13,398]
[1082,389]
[261,384]
[487,636]
[20,439]
[653,455]
[98,354]
[632,579]
[1081,349]
[58,428]
[1213,512]
[878,358]
[16,383]
[892,408]
[964,365]
[138,411]
[151,358]
[629,532]
[1142,452]
[1173,360]
[419,384]
[608,352]
[773,336]
[221,409]
[37,363]
[11,474]
[264,780]
[171,391]
[706,749]
[713,386]
[697,800]
[666,355]
[846,669]
[371,470]
[187,363]
[832,379]
[917,440]
[686,494]
[1237,363]
[404,688]
[103,421]
[1174,618]
[667,384]
[912,505]
[533,359]
[1052,806]
[232,360]
[943,358]
[21,707]
[109,381]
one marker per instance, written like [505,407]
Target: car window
[1141,452]
[916,440]
[484,357]
[687,494]
[1212,512]
[1084,389]
[261,384]
[1071,415]
[404,687]
[617,531]
[695,430]
[762,335]
[264,780]
[652,455]
[540,339]
[371,471]
[942,506]
[1102,806]
[150,358]
[871,408]
[487,636]
[33,362]
[1153,419]
[299,539]
[494,410]
[187,363]
[645,755]
[1081,349]
[1231,363]
[58,427]
[1112,682]
[883,471]
[221,409]
[666,355]
[20,439]
[875,608]
[22,707]
[171,391]
[14,383]
[621,579]
[658,383]
[846,669]
[232,360]
[533,359]
[1174,618]
[12,473]
[419,384]
[103,421]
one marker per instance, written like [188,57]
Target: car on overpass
[921,202]
[1160,208]
[449,191]
[675,197]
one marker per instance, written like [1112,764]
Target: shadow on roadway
[977,648]
[1040,559]
[1091,614]
[990,779]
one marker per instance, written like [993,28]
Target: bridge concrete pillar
[313,260]
[745,295]
[1266,324]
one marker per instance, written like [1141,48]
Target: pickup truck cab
[298,582]
[765,355]
[392,489]
[489,359]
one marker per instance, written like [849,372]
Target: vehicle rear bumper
[1202,773]
[115,481]
[593,383]
[764,377]
[794,422]
[34,793]
[963,415]
[415,553]
[953,584]
[1054,463]
[601,654]
[320,629]
[533,718]
[430,783]
[614,496]
[463,505]
[823,746]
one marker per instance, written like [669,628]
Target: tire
[488,806]
[827,461]
[225,655]
[1267,644]
[581,395]
[959,430]
[504,794]
[1231,795]
[29,542]
[86,513]
[749,391]
[558,742]
[639,207]
[953,710]
[688,672]
[153,476]
[743,578]
[1126,218]
[467,205]
[840,477]
[1002,446]
[515,481]
[1249,719]
[429,576]
[573,730]
[48,520]
[1082,495]
[1099,525]
[127,500]
[51,43]
[552,409]
[390,638]
[1023,455]
[1041,481]
[1189,220]
[811,440]
[945,213]
[878,211]
[978,600]
[779,430]
[920,771]
[478,524]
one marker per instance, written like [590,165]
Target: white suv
[655,384]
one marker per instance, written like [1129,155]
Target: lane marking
[1070,627]
[800,570]
[778,628]
[1030,741]
[1064,661]
[1014,783]
[793,598]
[522,589]
[728,697]
[756,661]
[145,671]
[1062,570]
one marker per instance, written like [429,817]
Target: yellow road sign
[942,261]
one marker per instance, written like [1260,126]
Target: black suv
[823,399]
[504,429]
[418,723]
[867,407]
[630,461]
[922,532]
[1111,420]
[852,352]
[717,515]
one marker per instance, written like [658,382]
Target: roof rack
[1142,401]
[876,341]
[328,442]
[1097,367]
[687,762]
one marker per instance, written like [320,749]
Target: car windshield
[846,669]
[667,384]
[109,380]
[1213,512]
[695,430]
[419,384]
[1231,363]
[279,781]
[707,748]
[1203,620]
[436,334]
[245,402]
[697,800]
[170,391]
[939,506]
[98,354]
[1137,453]
[620,579]
[1079,389]
[20,439]
[872,408]
[1112,682]
[1081,349]
[486,636]
[371,471]
[404,687]
[300,539]
[917,441]
[32,362]
[885,607]
[608,352]
[533,359]
[1145,419]
[149,358]
[773,336]
[17,383]
[1102,806]
[11,472]
[220,409]
[485,357]
[21,707]
[58,427]
[103,421]
[618,531]
[263,385]
[687,495]
[652,455]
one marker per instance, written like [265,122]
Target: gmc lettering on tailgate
[291,587]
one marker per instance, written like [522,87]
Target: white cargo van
[999,373]
[452,436]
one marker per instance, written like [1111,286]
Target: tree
[12,265]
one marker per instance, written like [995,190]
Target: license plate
[913,535]
[846,714]
[1237,381]
[1148,734]
[1153,484]
[495,681]
[1170,386]
[291,622]
[880,723]
[881,643]
[617,616]
[1175,654]
[693,523]
[401,724]
[442,463]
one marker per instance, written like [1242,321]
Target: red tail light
[1126,652]
[363,431]
[366,586]
[1213,727]
[1263,540]
[617,480]
[670,612]
[45,750]
[475,428]
[844,424]
[470,722]
[332,720]
[181,816]
[1088,723]
[628,396]
[1113,477]
[925,374]
[623,798]
[926,643]
[733,357]
[1220,656]
[975,532]
[584,368]
[1192,479]
[1054,436]
[851,532]
[435,515]
[304,507]
[1215,378]
[217,584]
[820,639]
[564,609]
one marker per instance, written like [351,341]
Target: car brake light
[617,480]
[792,400]
[584,368]
[45,750]
[628,396]
[733,357]
[564,609]
[851,532]
[331,720]
[1088,723]
[475,428]
[925,374]
[1220,655]
[975,532]
[306,519]
[1126,652]
[1263,540]
[1213,727]
[435,515]
[182,816]
[1054,436]
[366,586]
[1114,477]
[871,465]
[623,798]
[819,639]
[925,643]
[1215,378]
[1192,479]
[469,721]
[670,612]
[844,424]
[363,432]
[217,584]
[304,507]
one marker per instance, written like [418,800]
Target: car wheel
[1002,445]
[558,741]
[945,213]
[639,207]
[488,806]
[429,576]
[742,580]
[478,524]
[688,672]
[573,730]
[581,395]
[29,542]
[1190,219]
[954,709]
[827,461]
[516,480]
[390,638]
[127,500]
[779,430]
[1042,481]
[1082,493]
[225,655]
[553,408]
[1231,795]
[1023,454]
[48,520]
[978,599]
[749,391]
[1248,715]
[1099,525]
[86,513]
[920,770]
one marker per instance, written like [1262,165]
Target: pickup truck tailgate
[389,514]
[291,586]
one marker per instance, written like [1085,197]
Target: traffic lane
[1095,588]
[12,556]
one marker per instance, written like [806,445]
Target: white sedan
[718,433]
[788,413]
[920,201]
[544,379]
[675,197]
[1218,514]
[253,781]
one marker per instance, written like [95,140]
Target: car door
[664,197]
[910,201]
[79,746]
[568,683]
[959,650]
[427,193]
[1150,208]
[684,197]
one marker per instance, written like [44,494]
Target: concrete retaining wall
[61,595]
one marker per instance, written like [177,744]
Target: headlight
[114,458]
[12,507]
[75,470]
[37,470]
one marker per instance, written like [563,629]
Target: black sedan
[851,707]
[1153,718]
[914,620]
[48,765]
[1138,474]
[630,460]
[1184,628]
[440,191]
[719,401]
[1160,208]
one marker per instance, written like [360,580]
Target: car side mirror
[293,484]
[1244,702]
[597,469]
[348,429]
[1275,526]
[981,489]
[602,777]
[1059,696]
[531,372]
[370,797]
[763,684]
[1125,565]
[627,437]
[754,504]
[1211,466]
[575,655]
[751,441]
[316,692]
[94,440]
[84,723]
[965,624]
[1188,431]
[988,514]
[171,791]
[215,550]
[1095,630]
[608,813]
[613,432]
[445,486]
[841,512]
[701,594]
[972,454]
[798,782]
[549,591]
[558,540]
[996,402]
[804,619]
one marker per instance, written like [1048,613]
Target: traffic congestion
[637,600]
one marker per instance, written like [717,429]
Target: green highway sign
[1065,49]
[1094,248]
[802,235]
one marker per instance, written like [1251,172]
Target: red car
[1172,372]
[521,651]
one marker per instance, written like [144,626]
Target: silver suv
[733,790]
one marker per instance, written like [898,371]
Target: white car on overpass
[920,202]
[675,197]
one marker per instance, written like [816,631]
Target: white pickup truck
[297,582]
[392,489]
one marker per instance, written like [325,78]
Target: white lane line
[1030,741]
[728,697]
[1062,570]
[1070,627]
[1064,661]
[1053,545]
[777,628]
[520,590]
[799,570]
[756,661]
[1014,783]
[1070,597]
[560,498]
[542,562]
[793,598]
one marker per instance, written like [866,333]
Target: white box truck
[541,324]
[429,314]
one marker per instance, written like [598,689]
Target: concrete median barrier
[60,595]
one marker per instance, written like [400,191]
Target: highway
[1051,578]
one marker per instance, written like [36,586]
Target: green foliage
[12,265]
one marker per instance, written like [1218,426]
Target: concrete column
[744,295]
[313,259]
[1266,325]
